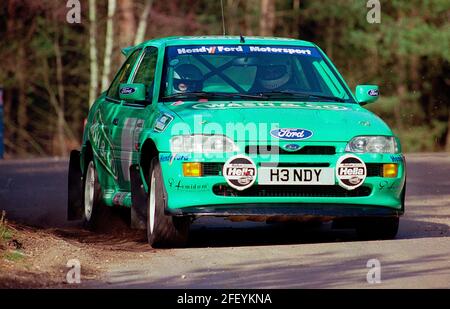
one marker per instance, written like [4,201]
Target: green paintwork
[117,129]
[127,50]
[366,94]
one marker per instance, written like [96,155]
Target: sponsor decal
[174,157]
[140,123]
[210,49]
[373,92]
[119,198]
[292,147]
[162,122]
[179,186]
[226,105]
[397,158]
[282,50]
[128,144]
[291,134]
[177,103]
[137,133]
[351,171]
[127,90]
[384,185]
[240,172]
[104,146]
[243,49]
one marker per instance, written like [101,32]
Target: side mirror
[132,92]
[366,94]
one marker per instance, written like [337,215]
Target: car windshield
[250,72]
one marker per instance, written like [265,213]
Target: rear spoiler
[127,50]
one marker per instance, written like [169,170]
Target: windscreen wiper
[203,94]
[300,94]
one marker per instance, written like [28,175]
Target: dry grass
[5,232]
[8,251]
[37,258]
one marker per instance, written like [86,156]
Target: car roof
[209,39]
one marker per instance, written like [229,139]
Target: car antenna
[223,18]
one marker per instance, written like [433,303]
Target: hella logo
[291,134]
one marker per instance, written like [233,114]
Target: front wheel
[163,230]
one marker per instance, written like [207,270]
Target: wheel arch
[147,153]
[86,154]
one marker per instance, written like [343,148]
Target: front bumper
[313,210]
[199,196]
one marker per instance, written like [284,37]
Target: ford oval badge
[127,90]
[373,92]
[291,134]
[292,147]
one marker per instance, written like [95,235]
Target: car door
[133,115]
[110,114]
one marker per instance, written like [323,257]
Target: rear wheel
[379,228]
[163,230]
[92,198]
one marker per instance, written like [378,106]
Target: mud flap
[75,188]
[138,199]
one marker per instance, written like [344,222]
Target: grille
[215,169]
[374,170]
[307,150]
[292,191]
[212,169]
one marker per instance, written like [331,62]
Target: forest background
[52,69]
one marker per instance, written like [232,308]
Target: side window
[146,72]
[123,75]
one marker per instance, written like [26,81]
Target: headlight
[202,144]
[372,144]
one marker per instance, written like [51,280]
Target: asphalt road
[223,254]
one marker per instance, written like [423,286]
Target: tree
[127,23]
[109,41]
[93,89]
[140,34]
[267,20]
[50,68]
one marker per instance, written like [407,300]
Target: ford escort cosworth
[247,128]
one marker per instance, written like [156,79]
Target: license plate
[295,176]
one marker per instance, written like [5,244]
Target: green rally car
[248,128]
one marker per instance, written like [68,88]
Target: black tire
[163,231]
[93,218]
[403,198]
[378,228]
